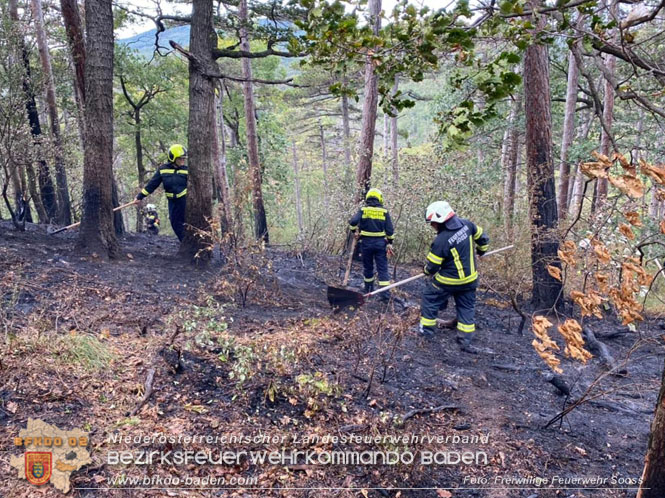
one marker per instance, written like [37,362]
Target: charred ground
[251,346]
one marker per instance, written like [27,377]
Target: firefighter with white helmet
[452,265]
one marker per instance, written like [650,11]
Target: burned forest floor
[250,347]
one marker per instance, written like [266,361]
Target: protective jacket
[451,258]
[173,178]
[373,220]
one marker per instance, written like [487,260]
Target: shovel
[53,232]
[348,264]
[339,298]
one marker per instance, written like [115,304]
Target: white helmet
[439,212]
[151,207]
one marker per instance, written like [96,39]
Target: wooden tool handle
[348,264]
[396,284]
[78,223]
[416,277]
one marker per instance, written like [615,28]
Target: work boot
[426,332]
[464,339]
[384,296]
[369,287]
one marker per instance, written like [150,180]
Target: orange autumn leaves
[570,330]
[605,274]
[629,183]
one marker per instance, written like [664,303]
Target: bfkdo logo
[38,467]
[50,454]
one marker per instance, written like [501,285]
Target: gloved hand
[389,251]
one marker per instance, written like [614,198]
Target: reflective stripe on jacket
[373,220]
[173,178]
[451,258]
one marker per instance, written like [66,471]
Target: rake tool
[51,231]
[339,298]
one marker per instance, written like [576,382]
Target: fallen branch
[421,411]
[517,309]
[558,382]
[148,392]
[601,350]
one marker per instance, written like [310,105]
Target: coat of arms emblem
[38,467]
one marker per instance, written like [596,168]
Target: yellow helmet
[374,193]
[176,151]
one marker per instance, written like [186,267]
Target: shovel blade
[340,298]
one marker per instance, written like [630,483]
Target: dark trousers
[177,215]
[374,250]
[435,298]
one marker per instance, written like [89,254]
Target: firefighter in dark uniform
[174,176]
[452,265]
[152,219]
[373,225]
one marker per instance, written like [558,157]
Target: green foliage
[85,350]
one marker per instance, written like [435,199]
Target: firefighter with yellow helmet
[173,175]
[373,225]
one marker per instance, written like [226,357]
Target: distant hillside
[145,42]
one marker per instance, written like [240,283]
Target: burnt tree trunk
[260,221]
[368,126]
[197,242]
[653,476]
[47,207]
[64,216]
[540,175]
[97,234]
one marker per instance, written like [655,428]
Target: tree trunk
[393,138]
[73,26]
[139,162]
[296,175]
[219,168]
[197,243]
[34,193]
[118,222]
[653,476]
[324,165]
[509,153]
[47,207]
[368,127]
[260,221]
[578,187]
[608,115]
[386,129]
[605,139]
[97,235]
[346,129]
[64,209]
[568,132]
[540,175]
